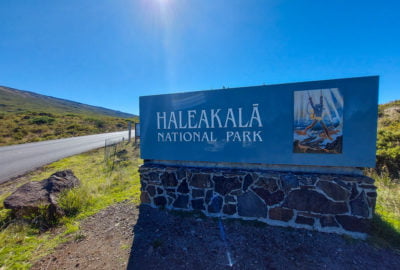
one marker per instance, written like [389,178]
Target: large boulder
[34,197]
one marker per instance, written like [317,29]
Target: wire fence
[111,148]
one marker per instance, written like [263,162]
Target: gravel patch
[126,236]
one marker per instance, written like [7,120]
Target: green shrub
[41,120]
[37,130]
[388,152]
[17,136]
[74,201]
[46,114]
[71,127]
[121,125]
[100,123]
[42,218]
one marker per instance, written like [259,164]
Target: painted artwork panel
[318,121]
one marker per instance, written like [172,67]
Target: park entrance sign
[287,154]
[324,123]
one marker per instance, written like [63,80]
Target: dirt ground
[104,242]
[126,236]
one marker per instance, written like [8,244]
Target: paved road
[18,159]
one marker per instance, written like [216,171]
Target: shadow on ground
[181,240]
[384,233]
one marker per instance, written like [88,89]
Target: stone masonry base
[323,202]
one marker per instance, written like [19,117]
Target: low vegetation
[105,180]
[29,117]
[23,127]
[386,223]
[388,144]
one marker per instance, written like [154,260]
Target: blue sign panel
[324,123]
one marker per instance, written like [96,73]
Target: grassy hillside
[387,220]
[13,100]
[388,144]
[29,117]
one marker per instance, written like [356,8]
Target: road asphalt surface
[19,159]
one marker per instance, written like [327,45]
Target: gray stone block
[160,201]
[328,221]
[268,184]
[144,197]
[198,193]
[354,224]
[229,209]
[270,198]
[334,191]
[151,190]
[289,181]
[248,180]
[169,179]
[312,201]
[198,204]
[359,206]
[183,187]
[230,199]
[215,205]
[282,214]
[181,202]
[250,205]
[181,173]
[224,185]
[209,196]
[304,220]
[200,180]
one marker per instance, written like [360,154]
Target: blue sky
[109,52]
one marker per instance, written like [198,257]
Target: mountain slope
[30,117]
[12,100]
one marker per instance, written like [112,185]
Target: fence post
[129,130]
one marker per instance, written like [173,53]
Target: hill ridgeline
[29,117]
